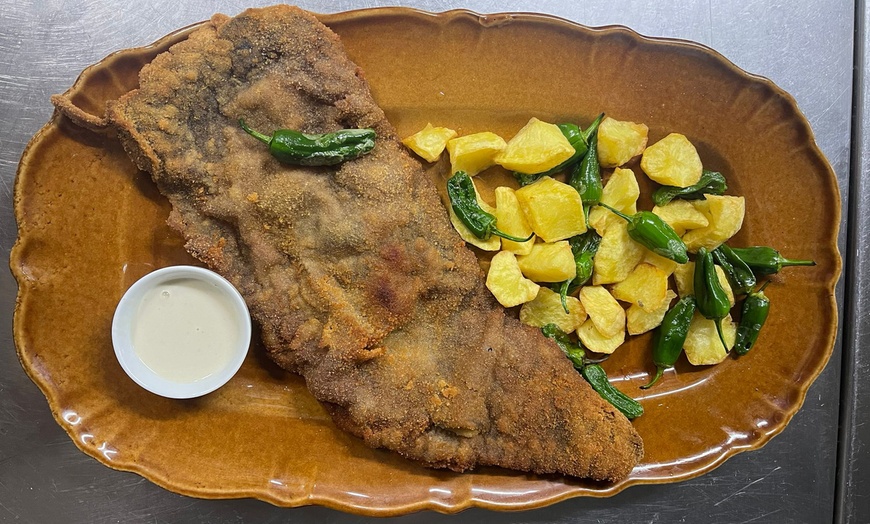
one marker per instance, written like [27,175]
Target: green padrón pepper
[327,149]
[597,378]
[593,128]
[740,275]
[711,299]
[585,177]
[584,248]
[669,337]
[710,183]
[463,200]
[575,353]
[756,306]
[593,373]
[766,260]
[649,230]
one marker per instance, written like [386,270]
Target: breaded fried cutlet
[353,272]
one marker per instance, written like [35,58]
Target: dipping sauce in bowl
[181,331]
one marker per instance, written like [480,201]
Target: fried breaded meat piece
[354,273]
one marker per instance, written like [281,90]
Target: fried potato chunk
[646,287]
[595,341]
[672,161]
[537,147]
[604,311]
[554,209]
[621,193]
[511,220]
[506,282]
[474,153]
[638,320]
[547,308]
[665,264]
[703,346]
[681,215]
[725,216]
[617,255]
[429,142]
[549,262]
[619,142]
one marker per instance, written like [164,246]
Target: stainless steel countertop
[806,47]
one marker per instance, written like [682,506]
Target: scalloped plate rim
[485,20]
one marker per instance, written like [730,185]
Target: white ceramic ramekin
[125,317]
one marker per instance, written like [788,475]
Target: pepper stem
[586,210]
[763,286]
[659,371]
[497,232]
[789,262]
[721,337]
[259,136]
[615,212]
[563,295]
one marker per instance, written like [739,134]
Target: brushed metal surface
[852,498]
[805,46]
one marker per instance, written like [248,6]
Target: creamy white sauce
[185,330]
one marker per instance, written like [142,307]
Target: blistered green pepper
[584,248]
[740,276]
[710,183]
[711,298]
[592,129]
[669,337]
[463,200]
[766,260]
[575,353]
[756,306]
[327,149]
[649,230]
[597,378]
[585,177]
[593,373]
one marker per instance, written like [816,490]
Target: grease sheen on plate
[266,437]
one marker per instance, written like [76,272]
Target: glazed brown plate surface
[90,224]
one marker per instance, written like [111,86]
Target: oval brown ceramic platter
[90,224]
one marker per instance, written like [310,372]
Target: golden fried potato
[429,142]
[619,142]
[604,311]
[554,209]
[684,276]
[725,216]
[703,346]
[601,218]
[511,220]
[617,255]
[681,215]
[638,321]
[549,262]
[547,308]
[665,264]
[620,192]
[537,147]
[595,341]
[646,287]
[493,243]
[672,161]
[474,153]
[507,283]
